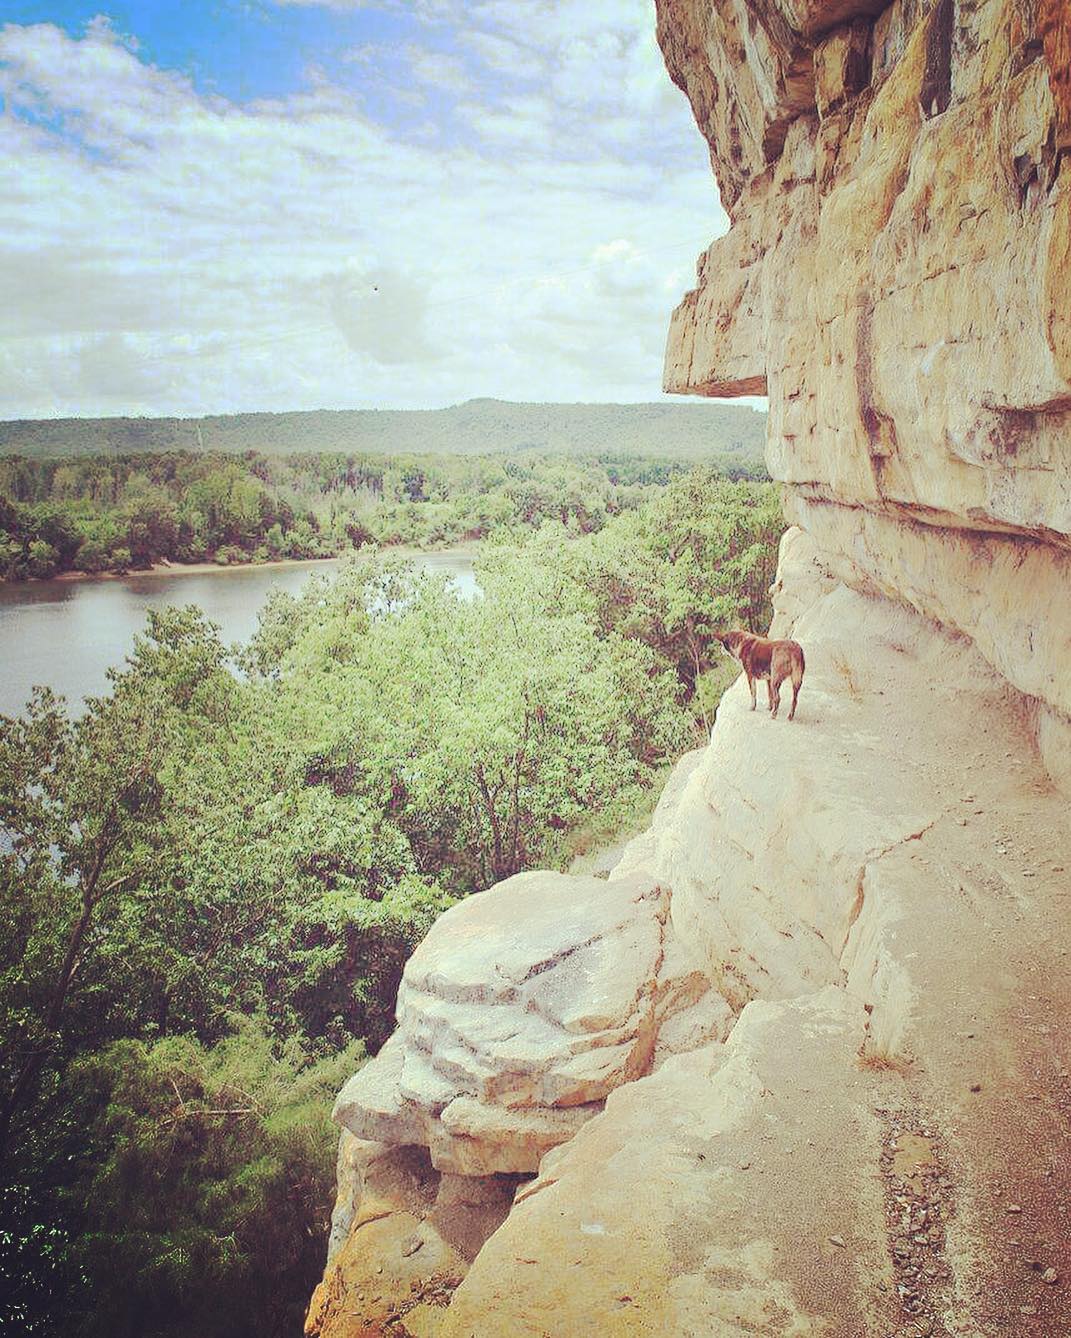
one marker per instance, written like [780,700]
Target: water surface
[67,634]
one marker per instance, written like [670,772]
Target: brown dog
[772,660]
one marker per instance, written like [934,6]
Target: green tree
[208,1172]
[508,724]
[41,559]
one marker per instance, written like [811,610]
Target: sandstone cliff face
[898,279]
[800,1066]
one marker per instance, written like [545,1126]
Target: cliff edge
[801,1065]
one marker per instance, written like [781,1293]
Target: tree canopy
[211,878]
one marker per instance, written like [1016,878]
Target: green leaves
[211,880]
[209,1172]
[108,513]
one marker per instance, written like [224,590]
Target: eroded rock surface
[898,279]
[675,1212]
[402,1239]
[520,1012]
[880,889]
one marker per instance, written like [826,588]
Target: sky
[230,205]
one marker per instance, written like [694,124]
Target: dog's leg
[775,697]
[769,694]
[751,685]
[797,682]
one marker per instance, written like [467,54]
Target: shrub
[204,1185]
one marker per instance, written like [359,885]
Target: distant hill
[691,430]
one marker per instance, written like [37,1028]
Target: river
[67,634]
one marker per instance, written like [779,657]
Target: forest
[695,431]
[211,877]
[95,514]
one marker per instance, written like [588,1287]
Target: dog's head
[730,641]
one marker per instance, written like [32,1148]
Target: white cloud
[382,312]
[504,54]
[167,250]
[439,69]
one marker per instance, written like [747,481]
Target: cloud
[464,212]
[382,312]
[439,69]
[504,55]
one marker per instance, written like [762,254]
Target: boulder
[521,1011]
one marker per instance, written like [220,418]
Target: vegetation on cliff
[211,879]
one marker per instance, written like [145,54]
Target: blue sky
[291,204]
[239,49]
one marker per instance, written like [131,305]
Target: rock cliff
[801,1065]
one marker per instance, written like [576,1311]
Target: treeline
[683,429]
[121,513]
[210,880]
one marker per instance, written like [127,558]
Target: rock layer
[897,277]
[880,889]
[402,1238]
[520,1012]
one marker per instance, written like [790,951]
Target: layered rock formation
[800,1066]
[898,279]
[880,891]
[521,1011]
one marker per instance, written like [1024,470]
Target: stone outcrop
[898,279]
[402,1238]
[520,1012]
[879,891]
[799,1066]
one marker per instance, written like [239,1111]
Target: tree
[507,726]
[41,559]
[208,1171]
[76,803]
[210,880]
[699,556]
[151,528]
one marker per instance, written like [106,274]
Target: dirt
[919,1200]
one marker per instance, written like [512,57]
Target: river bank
[466,552]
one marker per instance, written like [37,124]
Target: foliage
[38,1273]
[211,877]
[200,1185]
[95,514]
[510,724]
[700,555]
[670,430]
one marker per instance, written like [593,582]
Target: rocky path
[887,1152]
[800,1067]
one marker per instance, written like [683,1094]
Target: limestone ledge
[867,887]
[1010,595]
[840,881]
[524,1007]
